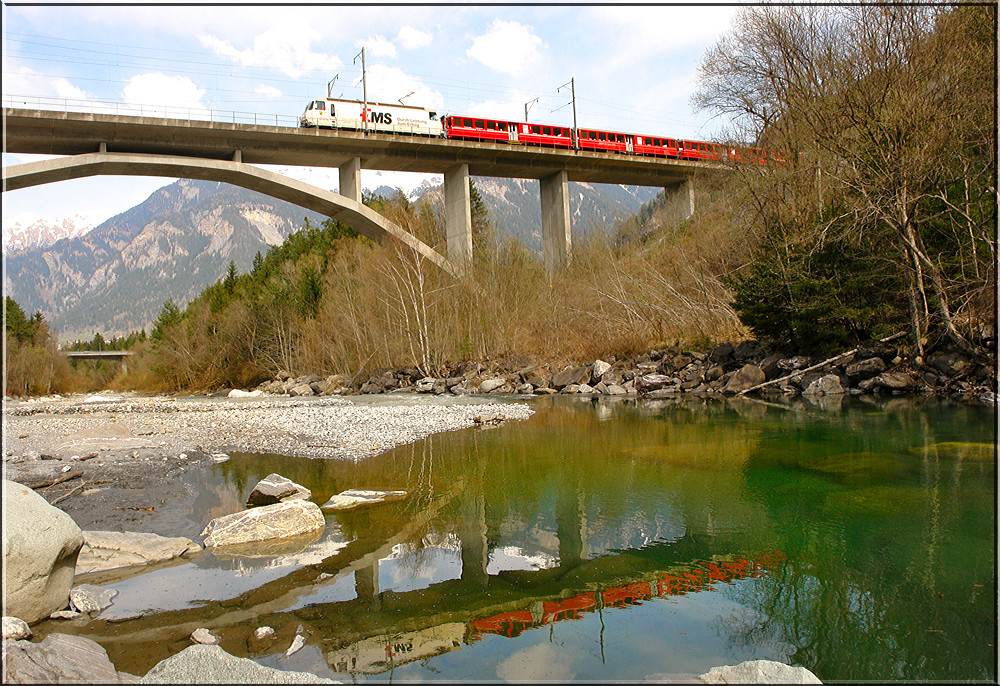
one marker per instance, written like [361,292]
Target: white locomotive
[380,117]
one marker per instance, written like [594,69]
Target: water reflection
[608,541]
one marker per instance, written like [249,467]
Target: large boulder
[201,664]
[103,550]
[275,488]
[745,378]
[40,546]
[281,520]
[758,672]
[60,659]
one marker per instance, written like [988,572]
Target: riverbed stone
[203,636]
[201,664]
[598,369]
[15,629]
[758,672]
[488,385]
[260,639]
[349,499]
[829,384]
[571,376]
[103,550]
[40,547]
[896,381]
[654,382]
[60,658]
[864,369]
[275,488]
[745,378]
[91,600]
[289,518]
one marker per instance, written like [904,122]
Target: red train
[594,140]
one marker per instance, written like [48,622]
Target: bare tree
[871,110]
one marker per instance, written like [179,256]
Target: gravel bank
[126,454]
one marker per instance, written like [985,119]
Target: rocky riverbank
[116,461]
[726,369]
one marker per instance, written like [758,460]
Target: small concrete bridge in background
[121,356]
[111,144]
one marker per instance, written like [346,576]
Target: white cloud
[685,27]
[22,80]
[285,48]
[508,47]
[159,95]
[389,84]
[376,46]
[159,89]
[411,38]
[268,91]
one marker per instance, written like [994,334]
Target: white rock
[239,393]
[357,497]
[297,644]
[759,672]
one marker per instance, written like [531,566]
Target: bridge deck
[70,133]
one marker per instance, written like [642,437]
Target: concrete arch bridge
[111,144]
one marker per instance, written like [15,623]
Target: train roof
[378,104]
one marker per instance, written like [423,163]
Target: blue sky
[635,68]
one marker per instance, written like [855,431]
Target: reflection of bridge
[146,146]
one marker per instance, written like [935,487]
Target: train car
[480,129]
[698,150]
[657,146]
[604,141]
[378,117]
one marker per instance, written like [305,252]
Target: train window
[492,126]
[431,115]
[621,138]
[320,105]
[502,126]
[547,130]
[603,136]
[467,123]
[479,124]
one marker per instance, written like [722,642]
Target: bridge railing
[139,110]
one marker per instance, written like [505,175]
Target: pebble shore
[330,427]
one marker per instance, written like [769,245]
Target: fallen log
[53,482]
[801,372]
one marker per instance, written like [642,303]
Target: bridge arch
[359,217]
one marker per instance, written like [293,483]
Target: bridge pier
[350,179]
[556,235]
[458,215]
[681,194]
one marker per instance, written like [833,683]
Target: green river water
[612,541]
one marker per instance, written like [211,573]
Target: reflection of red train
[697,578]
[594,140]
